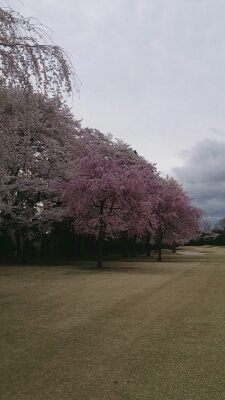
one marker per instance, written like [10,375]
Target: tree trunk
[134,247]
[100,237]
[99,258]
[18,245]
[125,244]
[42,250]
[174,246]
[32,249]
[159,251]
[100,249]
[148,245]
[25,251]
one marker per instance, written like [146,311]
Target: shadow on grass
[147,269]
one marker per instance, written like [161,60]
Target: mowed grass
[135,330]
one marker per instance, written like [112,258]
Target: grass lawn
[135,330]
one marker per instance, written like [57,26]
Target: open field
[135,330]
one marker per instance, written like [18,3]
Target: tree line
[57,176]
[65,187]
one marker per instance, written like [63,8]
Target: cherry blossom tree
[177,220]
[40,144]
[108,195]
[28,55]
[39,135]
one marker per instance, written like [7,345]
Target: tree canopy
[28,57]
[111,195]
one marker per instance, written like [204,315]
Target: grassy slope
[136,330]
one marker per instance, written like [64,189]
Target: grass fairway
[135,330]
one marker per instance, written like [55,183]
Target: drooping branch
[28,56]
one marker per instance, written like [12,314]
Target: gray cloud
[217,131]
[203,176]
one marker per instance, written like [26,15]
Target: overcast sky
[153,74]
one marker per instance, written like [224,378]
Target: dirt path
[145,330]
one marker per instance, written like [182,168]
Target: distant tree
[208,233]
[28,56]
[206,225]
[220,226]
[107,196]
